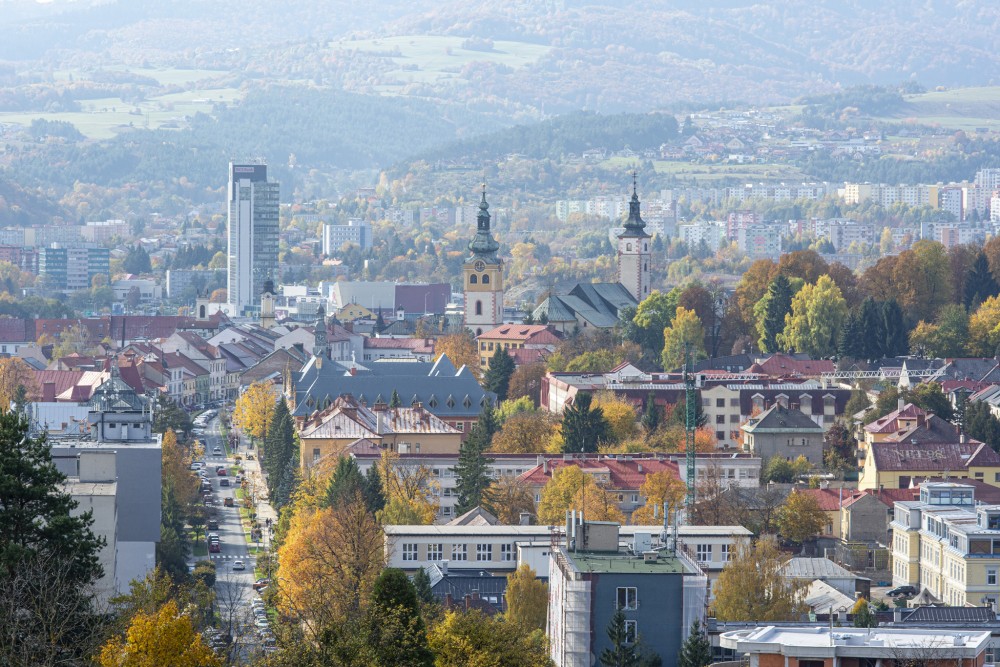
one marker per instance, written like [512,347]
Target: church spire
[483,245]
[634,225]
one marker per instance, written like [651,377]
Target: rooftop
[623,563]
[817,642]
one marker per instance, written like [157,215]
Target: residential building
[660,592]
[104,231]
[852,515]
[147,289]
[356,232]
[806,570]
[518,340]
[786,433]
[94,488]
[711,234]
[253,234]
[947,545]
[819,646]
[896,465]
[760,240]
[483,277]
[415,349]
[72,269]
[188,283]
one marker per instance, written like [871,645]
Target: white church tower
[483,276]
[634,251]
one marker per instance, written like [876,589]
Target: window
[628,597]
[628,247]
[409,552]
[991,576]
[479,308]
[435,552]
[734,402]
[720,402]
[316,455]
[720,419]
[631,632]
[725,553]
[459,552]
[486,279]
[703,552]
[484,552]
[473,279]
[507,552]
[720,435]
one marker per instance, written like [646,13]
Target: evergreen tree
[651,415]
[396,631]
[497,377]
[892,331]
[851,344]
[422,584]
[697,648]
[863,616]
[624,651]
[980,283]
[345,482]
[472,472]
[869,322]
[275,444]
[394,401]
[679,414]
[374,494]
[583,428]
[981,424]
[779,304]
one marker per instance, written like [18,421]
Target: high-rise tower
[483,275]
[633,251]
[253,234]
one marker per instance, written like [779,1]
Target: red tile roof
[943,457]
[779,365]
[831,500]
[535,334]
[527,355]
[623,475]
[889,423]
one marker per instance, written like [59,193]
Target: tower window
[473,279]
[628,247]
[486,279]
[479,308]
[645,247]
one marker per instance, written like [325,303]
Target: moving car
[221,472]
[214,547]
[239,565]
[228,502]
[224,482]
[213,524]
[217,451]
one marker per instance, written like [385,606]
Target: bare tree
[233,598]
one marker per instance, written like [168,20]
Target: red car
[221,472]
[214,547]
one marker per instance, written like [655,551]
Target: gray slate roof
[816,568]
[778,419]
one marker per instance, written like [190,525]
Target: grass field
[431,59]
[958,108]
[714,172]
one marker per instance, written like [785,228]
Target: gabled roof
[938,457]
[779,365]
[815,568]
[477,516]
[889,423]
[623,474]
[831,500]
[16,330]
[779,419]
[535,334]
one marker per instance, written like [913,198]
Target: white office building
[253,234]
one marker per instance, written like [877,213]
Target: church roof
[483,245]
[635,227]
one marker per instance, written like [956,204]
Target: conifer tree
[697,648]
[869,323]
[651,415]
[345,482]
[472,471]
[851,344]
[374,492]
[892,332]
[623,651]
[422,584]
[497,377]
[779,304]
[980,284]
[394,401]
[583,428]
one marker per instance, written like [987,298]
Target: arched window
[645,247]
[628,247]
[486,279]
[201,312]
[473,279]
[479,308]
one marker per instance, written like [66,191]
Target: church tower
[483,276]
[267,318]
[633,251]
[320,348]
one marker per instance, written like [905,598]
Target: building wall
[789,445]
[659,617]
[866,520]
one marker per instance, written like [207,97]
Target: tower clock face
[480,265]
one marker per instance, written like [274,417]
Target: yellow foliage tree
[176,471]
[327,564]
[253,410]
[984,328]
[410,492]
[658,488]
[752,587]
[524,433]
[471,639]
[15,373]
[619,413]
[165,638]
[461,349]
[507,497]
[685,335]
[527,598]
[800,518]
[571,488]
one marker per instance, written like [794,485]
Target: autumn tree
[752,587]
[17,379]
[584,427]
[800,519]
[984,328]
[498,373]
[527,598]
[463,639]
[253,410]
[524,433]
[461,349]
[813,326]
[658,488]
[921,280]
[527,381]
[863,616]
[620,415]
[652,316]
[507,498]
[75,339]
[571,488]
[684,339]
[410,492]
[166,638]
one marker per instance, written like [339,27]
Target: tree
[527,381]
[422,585]
[778,303]
[524,433]
[929,397]
[624,650]
[652,316]
[800,518]
[620,415]
[751,587]
[979,283]
[166,638]
[981,424]
[507,498]
[16,378]
[697,648]
[472,472]
[374,492]
[818,313]
[658,488]
[863,616]
[73,340]
[410,491]
[470,639]
[527,598]
[651,414]
[893,339]
[137,260]
[394,401]
[571,488]
[498,373]
[220,295]
[984,328]
[461,349]
[168,415]
[684,339]
[921,280]
[404,640]
[839,441]
[253,410]
[584,428]
[870,329]
[345,484]
[857,402]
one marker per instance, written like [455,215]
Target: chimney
[545,466]
[48,392]
[468,601]
[353,370]
[449,601]
[900,403]
[444,567]
[897,615]
[525,519]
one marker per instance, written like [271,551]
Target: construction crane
[690,425]
[881,374]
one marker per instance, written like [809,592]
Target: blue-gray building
[660,592]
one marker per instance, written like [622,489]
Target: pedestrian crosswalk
[231,556]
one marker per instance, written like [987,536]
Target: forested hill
[560,136]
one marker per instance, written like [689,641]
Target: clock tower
[482,274]
[633,251]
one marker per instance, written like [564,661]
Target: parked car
[905,591]
[239,565]
[213,524]
[259,584]
[262,623]
[217,451]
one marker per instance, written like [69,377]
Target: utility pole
[690,424]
